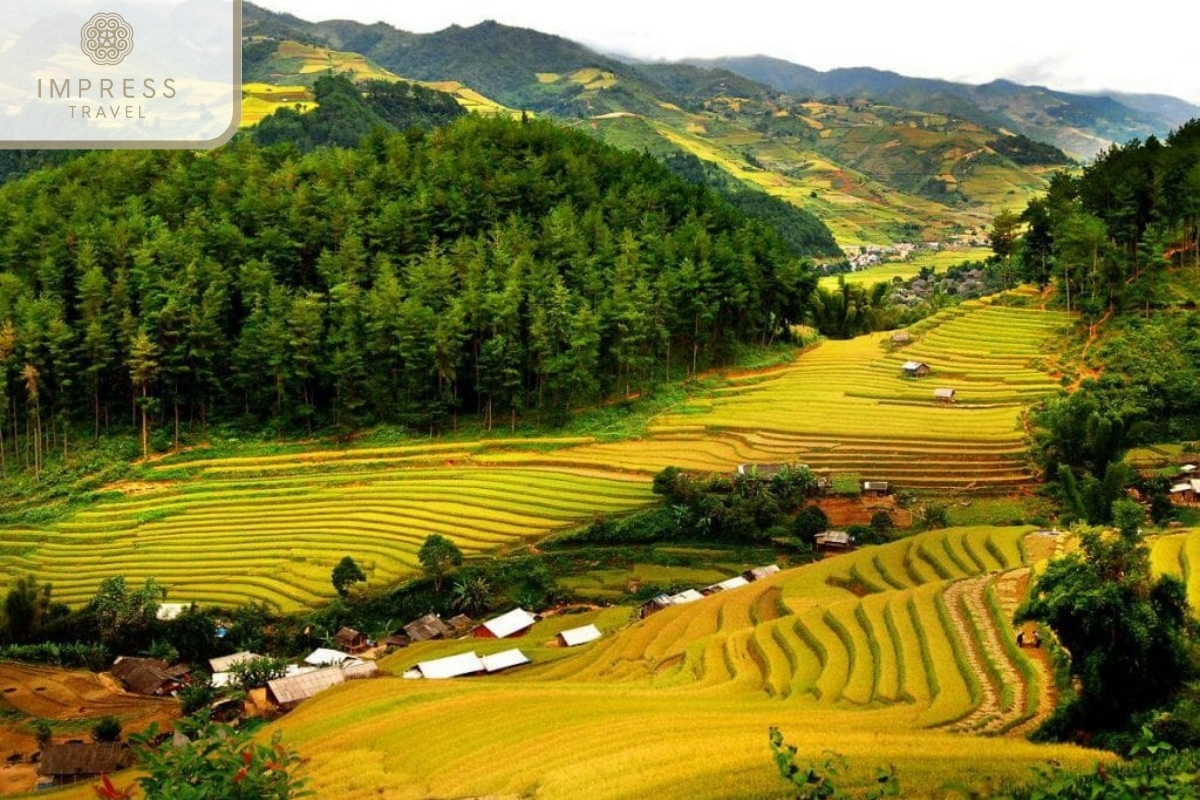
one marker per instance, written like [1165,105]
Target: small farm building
[656,603]
[226,663]
[577,636]
[685,597]
[879,488]
[70,763]
[448,667]
[504,660]
[360,669]
[758,573]
[834,540]
[760,470]
[1186,491]
[351,640]
[427,627]
[943,395]
[324,657]
[515,623]
[149,675]
[728,583]
[287,692]
[459,625]
[901,338]
[914,369]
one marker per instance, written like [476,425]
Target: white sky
[1074,46]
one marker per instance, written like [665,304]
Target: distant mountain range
[878,156]
[1080,124]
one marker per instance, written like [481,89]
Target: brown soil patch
[137,487]
[843,511]
[75,697]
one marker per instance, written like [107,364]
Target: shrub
[107,729]
[809,522]
[217,762]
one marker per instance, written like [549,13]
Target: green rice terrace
[228,530]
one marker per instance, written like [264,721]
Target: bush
[809,522]
[107,729]
[218,761]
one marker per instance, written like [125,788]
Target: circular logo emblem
[106,39]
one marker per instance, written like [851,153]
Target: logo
[106,39]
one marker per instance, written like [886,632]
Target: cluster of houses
[661,601]
[965,283]
[510,625]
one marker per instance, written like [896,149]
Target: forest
[491,267]
[1106,236]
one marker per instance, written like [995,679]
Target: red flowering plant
[217,762]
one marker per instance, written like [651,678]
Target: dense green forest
[1105,237]
[1108,240]
[493,266]
[346,112]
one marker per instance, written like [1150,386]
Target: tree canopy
[494,266]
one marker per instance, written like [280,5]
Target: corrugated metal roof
[324,656]
[514,621]
[451,666]
[225,663]
[504,660]
[947,393]
[429,626]
[758,573]
[578,636]
[61,760]
[302,687]
[1181,487]
[686,596]
[909,366]
[729,583]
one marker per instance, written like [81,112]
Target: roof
[347,634]
[302,687]
[660,600]
[1188,468]
[729,583]
[514,621]
[875,486]
[225,663]
[578,636]
[761,470]
[909,366]
[360,669]
[323,655]
[943,393]
[84,759]
[460,623]
[1182,487]
[429,626]
[451,666]
[901,336]
[686,596]
[142,675]
[504,660]
[758,573]
[834,537]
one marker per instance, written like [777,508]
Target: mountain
[874,172]
[1080,124]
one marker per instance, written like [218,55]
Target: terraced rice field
[231,529]
[1178,554]
[232,540]
[677,705]
[845,407]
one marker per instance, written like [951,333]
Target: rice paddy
[677,705]
[227,529]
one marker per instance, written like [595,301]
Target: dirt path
[967,604]
[1011,588]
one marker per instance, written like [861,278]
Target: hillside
[848,166]
[898,665]
[1082,125]
[280,520]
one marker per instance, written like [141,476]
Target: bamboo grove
[492,267]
